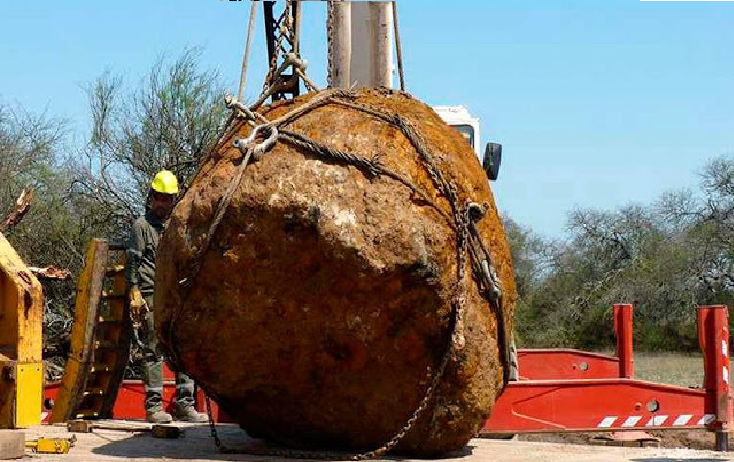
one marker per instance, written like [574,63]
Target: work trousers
[153,369]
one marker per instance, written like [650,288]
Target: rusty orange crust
[323,302]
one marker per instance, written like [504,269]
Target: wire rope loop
[245,144]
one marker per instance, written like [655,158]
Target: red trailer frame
[568,390]
[131,396]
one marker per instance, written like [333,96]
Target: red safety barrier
[571,390]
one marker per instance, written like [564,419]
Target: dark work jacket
[141,252]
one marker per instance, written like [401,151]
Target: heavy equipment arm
[21,319]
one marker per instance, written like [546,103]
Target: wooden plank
[87,426]
[118,309]
[80,426]
[89,293]
[12,445]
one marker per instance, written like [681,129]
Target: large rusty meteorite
[322,306]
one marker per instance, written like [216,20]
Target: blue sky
[597,103]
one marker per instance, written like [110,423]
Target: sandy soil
[197,445]
[677,439]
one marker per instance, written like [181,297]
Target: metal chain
[274,80]
[484,269]
[329,43]
[278,46]
[374,454]
[212,426]
[435,382]
[301,71]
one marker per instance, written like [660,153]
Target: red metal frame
[129,404]
[571,390]
[568,364]
[565,390]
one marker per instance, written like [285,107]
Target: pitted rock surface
[323,303]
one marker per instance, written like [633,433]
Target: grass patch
[670,368]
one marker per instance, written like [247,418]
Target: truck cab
[468,126]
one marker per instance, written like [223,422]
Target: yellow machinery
[51,445]
[21,320]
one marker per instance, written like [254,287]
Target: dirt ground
[674,439]
[197,446]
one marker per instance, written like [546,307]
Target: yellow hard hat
[165,182]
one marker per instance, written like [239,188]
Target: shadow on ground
[197,444]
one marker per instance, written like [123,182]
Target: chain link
[285,26]
[329,43]
[278,46]
[212,425]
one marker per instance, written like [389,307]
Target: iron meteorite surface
[322,306]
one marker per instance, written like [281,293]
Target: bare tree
[29,145]
[171,120]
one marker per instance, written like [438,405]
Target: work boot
[187,413]
[158,416]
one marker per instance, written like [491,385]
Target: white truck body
[460,118]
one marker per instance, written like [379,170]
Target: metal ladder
[100,337]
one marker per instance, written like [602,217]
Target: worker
[144,237]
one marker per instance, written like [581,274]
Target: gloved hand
[137,303]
